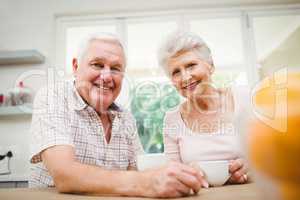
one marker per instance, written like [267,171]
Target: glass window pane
[75,35]
[277,40]
[143,41]
[224,38]
[228,78]
[149,99]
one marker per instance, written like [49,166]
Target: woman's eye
[191,65]
[176,72]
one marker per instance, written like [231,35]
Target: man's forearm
[81,178]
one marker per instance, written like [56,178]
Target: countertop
[228,192]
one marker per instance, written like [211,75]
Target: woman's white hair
[178,42]
[84,44]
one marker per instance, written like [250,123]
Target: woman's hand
[238,170]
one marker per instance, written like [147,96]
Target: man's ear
[74,65]
[212,69]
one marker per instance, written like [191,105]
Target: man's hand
[238,170]
[173,180]
[197,167]
[71,176]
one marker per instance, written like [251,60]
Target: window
[233,36]
[74,35]
[144,37]
[227,48]
[151,100]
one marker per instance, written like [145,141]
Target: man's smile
[103,87]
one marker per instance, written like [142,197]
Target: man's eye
[97,65]
[116,68]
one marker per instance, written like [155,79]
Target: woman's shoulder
[241,94]
[242,98]
[172,125]
[172,114]
[237,92]
[241,89]
[224,90]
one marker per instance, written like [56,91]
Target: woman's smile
[191,86]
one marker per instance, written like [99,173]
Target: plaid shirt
[61,117]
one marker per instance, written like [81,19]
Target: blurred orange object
[274,144]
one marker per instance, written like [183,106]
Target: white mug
[216,172]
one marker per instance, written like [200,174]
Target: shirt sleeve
[171,145]
[136,147]
[49,126]
[242,99]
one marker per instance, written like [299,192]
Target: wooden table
[230,192]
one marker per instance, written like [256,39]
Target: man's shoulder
[54,94]
[126,116]
[122,111]
[61,87]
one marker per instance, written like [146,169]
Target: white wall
[286,55]
[30,24]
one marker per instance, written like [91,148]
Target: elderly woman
[201,128]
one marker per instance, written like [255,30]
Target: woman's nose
[186,75]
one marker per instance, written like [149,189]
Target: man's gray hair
[84,44]
[178,42]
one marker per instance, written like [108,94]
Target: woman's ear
[74,65]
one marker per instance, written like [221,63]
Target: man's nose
[105,74]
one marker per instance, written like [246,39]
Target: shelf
[25,109]
[21,57]
[14,177]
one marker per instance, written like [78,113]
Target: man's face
[99,75]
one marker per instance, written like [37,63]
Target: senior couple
[82,142]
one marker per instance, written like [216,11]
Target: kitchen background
[249,39]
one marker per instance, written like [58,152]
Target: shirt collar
[79,104]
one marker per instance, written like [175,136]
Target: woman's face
[189,74]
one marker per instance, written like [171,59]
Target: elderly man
[82,142]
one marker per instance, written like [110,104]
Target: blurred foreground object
[274,139]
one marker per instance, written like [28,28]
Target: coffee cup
[215,172]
